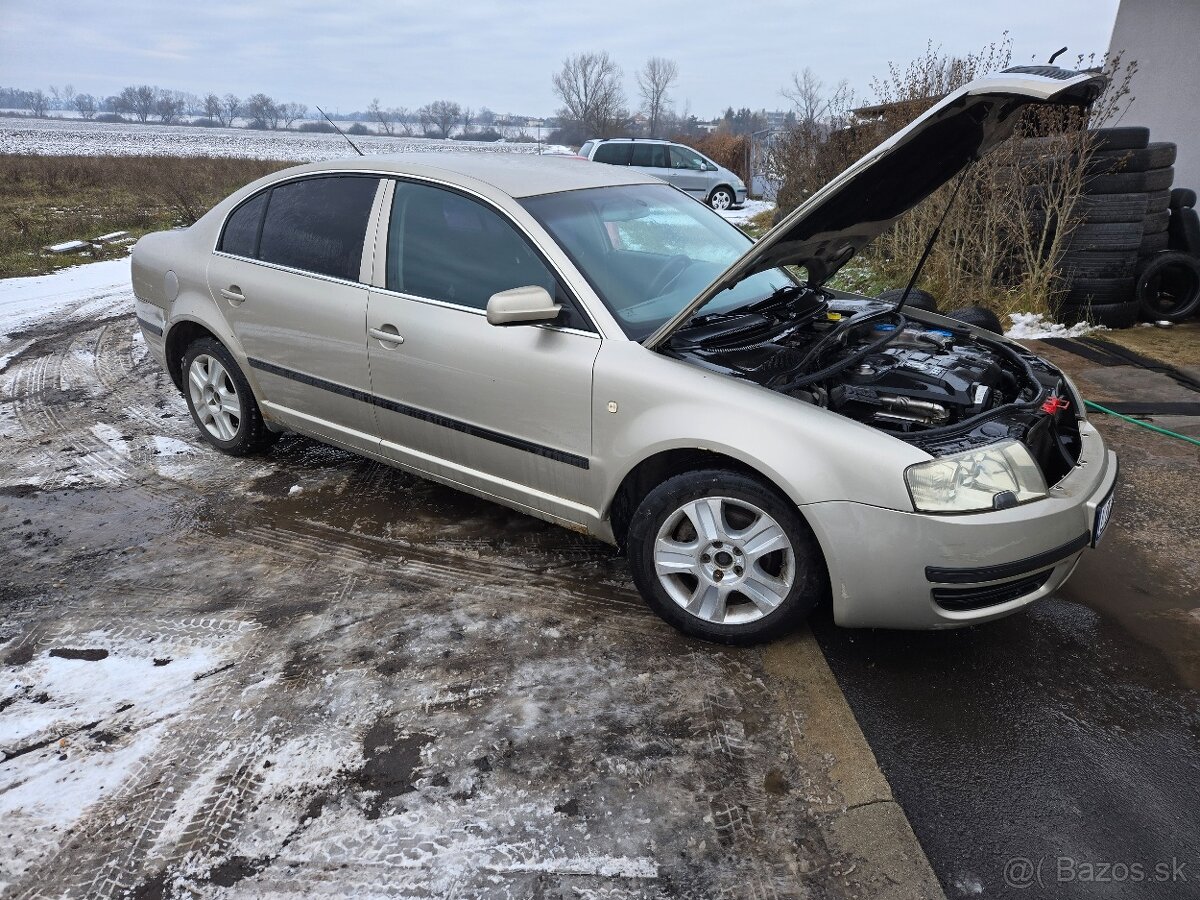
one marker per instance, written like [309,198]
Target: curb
[866,824]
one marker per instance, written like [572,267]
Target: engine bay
[942,388]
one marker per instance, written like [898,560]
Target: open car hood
[843,217]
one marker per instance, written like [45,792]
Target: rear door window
[319,224]
[613,154]
[683,158]
[650,156]
[240,236]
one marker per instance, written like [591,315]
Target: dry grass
[1177,346]
[50,199]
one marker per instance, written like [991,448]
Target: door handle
[386,335]
[233,294]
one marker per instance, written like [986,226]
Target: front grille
[962,599]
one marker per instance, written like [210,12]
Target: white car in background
[689,170]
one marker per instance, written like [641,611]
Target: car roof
[629,141]
[515,174]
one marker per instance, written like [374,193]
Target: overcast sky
[501,55]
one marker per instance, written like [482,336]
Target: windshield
[648,250]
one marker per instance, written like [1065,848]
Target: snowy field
[67,137]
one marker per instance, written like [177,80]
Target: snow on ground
[27,300]
[748,211]
[64,137]
[1033,326]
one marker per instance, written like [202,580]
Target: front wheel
[721,199]
[220,401]
[721,556]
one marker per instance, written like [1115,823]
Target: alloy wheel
[214,397]
[724,561]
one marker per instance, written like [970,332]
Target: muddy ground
[310,674]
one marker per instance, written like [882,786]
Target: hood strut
[937,229]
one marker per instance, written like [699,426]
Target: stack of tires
[1125,218]
[1167,287]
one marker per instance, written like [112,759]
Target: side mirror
[521,306]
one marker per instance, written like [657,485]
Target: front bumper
[892,569]
[740,196]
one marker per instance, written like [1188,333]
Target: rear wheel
[723,557]
[721,199]
[221,402]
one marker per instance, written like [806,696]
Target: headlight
[994,477]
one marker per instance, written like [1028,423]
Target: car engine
[940,387]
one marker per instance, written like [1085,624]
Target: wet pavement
[312,675]
[1056,753]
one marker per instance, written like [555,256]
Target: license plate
[1103,514]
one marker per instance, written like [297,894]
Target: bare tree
[589,85]
[290,112]
[39,102]
[85,104]
[440,116]
[468,116]
[233,108]
[169,106]
[654,82]
[138,101]
[811,102]
[213,109]
[403,117]
[263,111]
[382,116]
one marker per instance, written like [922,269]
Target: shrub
[109,117]
[359,128]
[729,150]
[320,127]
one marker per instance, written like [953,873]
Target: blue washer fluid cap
[940,333]
[885,327]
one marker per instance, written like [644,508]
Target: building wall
[1163,36]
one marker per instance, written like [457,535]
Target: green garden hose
[1109,412]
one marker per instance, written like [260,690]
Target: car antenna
[932,240]
[1056,55]
[342,133]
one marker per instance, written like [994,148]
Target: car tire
[917,299]
[1157,222]
[1154,243]
[221,402]
[721,199]
[1110,315]
[1184,231]
[692,529]
[979,316]
[1168,287]
[1158,155]
[1097,264]
[1113,207]
[1182,198]
[1125,137]
[1105,236]
[1083,292]
[1158,201]
[1128,182]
